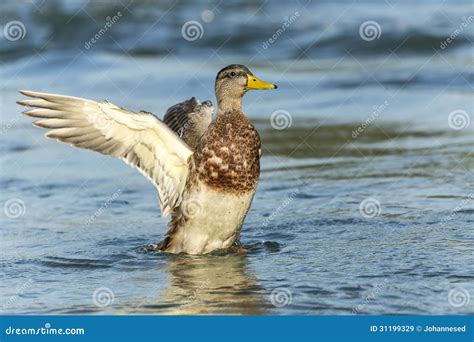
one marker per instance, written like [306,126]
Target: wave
[275,30]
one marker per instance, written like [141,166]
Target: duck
[206,184]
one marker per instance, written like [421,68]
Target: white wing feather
[140,139]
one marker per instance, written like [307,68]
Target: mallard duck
[207,188]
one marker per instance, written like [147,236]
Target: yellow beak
[254,83]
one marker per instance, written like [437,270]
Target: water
[369,124]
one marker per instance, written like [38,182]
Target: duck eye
[232,74]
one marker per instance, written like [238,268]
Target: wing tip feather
[29,93]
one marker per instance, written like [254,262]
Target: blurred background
[366,199]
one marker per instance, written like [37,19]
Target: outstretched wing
[140,139]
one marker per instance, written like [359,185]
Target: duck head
[232,82]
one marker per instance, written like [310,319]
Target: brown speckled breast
[228,156]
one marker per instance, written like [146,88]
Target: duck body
[225,170]
[205,173]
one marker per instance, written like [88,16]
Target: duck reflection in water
[212,285]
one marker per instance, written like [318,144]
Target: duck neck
[227,104]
